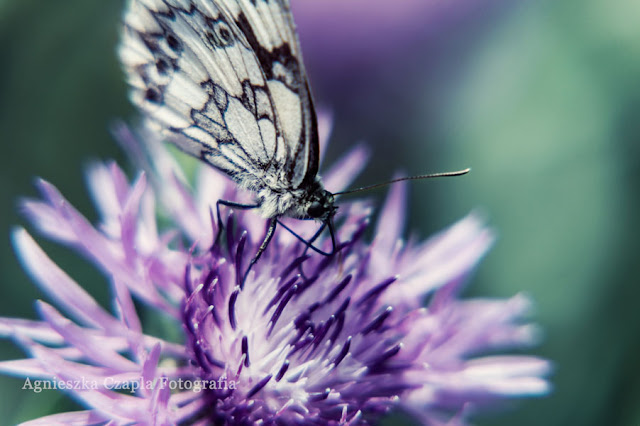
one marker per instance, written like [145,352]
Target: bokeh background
[540,97]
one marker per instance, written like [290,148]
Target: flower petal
[73,418]
[55,282]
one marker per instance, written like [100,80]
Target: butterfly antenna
[418,177]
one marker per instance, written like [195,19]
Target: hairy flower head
[308,339]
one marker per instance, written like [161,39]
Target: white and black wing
[224,81]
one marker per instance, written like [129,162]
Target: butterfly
[224,81]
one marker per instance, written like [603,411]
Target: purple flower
[345,344]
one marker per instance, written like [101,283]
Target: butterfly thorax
[310,201]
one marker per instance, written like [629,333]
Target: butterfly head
[307,202]
[320,205]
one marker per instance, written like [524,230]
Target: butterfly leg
[233,205]
[265,243]
[270,230]
[309,244]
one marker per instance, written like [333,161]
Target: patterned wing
[269,28]
[224,81]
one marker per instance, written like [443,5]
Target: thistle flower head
[308,339]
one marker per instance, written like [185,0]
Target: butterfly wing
[270,31]
[224,81]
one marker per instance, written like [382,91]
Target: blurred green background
[541,98]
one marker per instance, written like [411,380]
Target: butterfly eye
[315,210]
